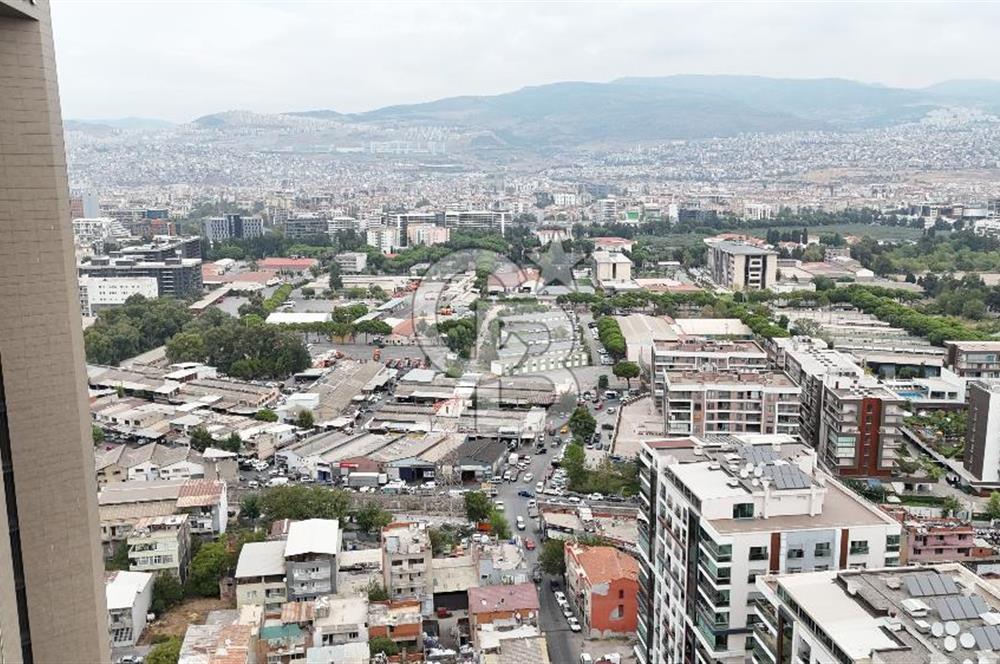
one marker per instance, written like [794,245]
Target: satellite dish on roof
[743,473]
[967,640]
[951,628]
[758,472]
[937,629]
[950,643]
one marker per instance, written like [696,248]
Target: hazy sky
[179,60]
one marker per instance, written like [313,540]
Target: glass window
[743,511]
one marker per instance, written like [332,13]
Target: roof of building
[122,587]
[453,574]
[643,329]
[200,493]
[975,345]
[601,256]
[516,597]
[135,491]
[278,263]
[261,559]
[297,317]
[320,536]
[742,249]
[604,564]
[701,327]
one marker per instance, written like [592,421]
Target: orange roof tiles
[604,564]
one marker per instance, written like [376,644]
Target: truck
[277,481]
[367,479]
[512,459]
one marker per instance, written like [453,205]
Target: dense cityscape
[354,389]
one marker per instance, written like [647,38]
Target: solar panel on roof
[758,455]
[787,477]
[987,638]
[929,584]
[960,608]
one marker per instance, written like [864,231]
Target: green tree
[376,591]
[165,652]
[382,644]
[250,507]
[167,591]
[186,347]
[212,562]
[602,382]
[950,505]
[298,502]
[266,415]
[232,444]
[574,461]
[478,506]
[993,506]
[304,419]
[499,525]
[442,540]
[552,558]
[582,424]
[336,281]
[119,561]
[97,433]
[626,370]
[201,438]
[372,518]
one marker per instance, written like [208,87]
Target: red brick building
[603,583]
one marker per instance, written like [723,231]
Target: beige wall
[41,350]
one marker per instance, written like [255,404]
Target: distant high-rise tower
[52,606]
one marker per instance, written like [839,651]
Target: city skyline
[271,49]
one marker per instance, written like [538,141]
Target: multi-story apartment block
[297,228]
[97,229]
[709,402]
[344,224]
[260,576]
[161,249]
[974,359]
[703,355]
[716,515]
[129,596]
[232,227]
[352,262]
[808,362]
[312,553]
[485,219]
[938,539]
[160,544]
[741,267]
[941,613]
[97,293]
[982,437]
[406,560]
[860,424]
[428,234]
[175,277]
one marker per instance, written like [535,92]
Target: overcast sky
[179,60]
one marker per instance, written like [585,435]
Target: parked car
[524,493]
[529,544]
[520,522]
[574,624]
[528,477]
[499,505]
[568,612]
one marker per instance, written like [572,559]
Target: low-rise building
[129,596]
[398,620]
[502,608]
[938,539]
[351,262]
[260,575]
[612,269]
[604,584]
[311,558]
[160,544]
[340,621]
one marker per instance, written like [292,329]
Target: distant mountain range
[631,110]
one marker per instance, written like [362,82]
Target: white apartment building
[97,293]
[87,230]
[936,613]
[697,403]
[351,262]
[703,355]
[741,267]
[160,544]
[260,575]
[717,513]
[129,596]
[485,219]
[383,238]
[338,224]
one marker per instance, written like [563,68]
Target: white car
[559,595]
[596,496]
[574,625]
[568,612]
[528,477]
[532,503]
[520,523]
[539,487]
[499,505]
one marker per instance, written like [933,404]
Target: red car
[529,544]
[599,405]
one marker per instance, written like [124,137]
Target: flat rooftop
[764,379]
[741,249]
